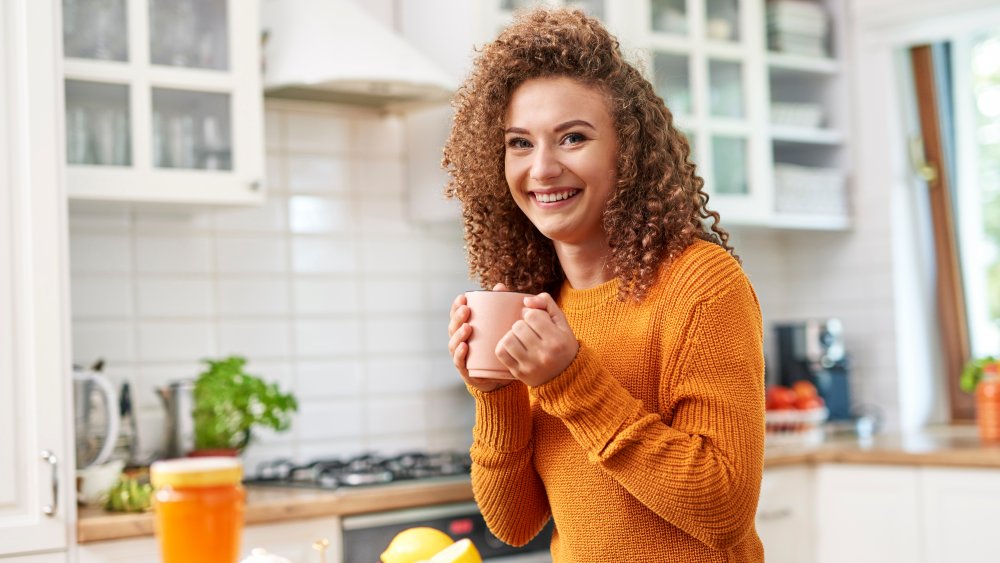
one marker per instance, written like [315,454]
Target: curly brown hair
[658,204]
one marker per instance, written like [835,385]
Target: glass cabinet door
[98,129]
[191,130]
[189,33]
[669,16]
[725,87]
[95,29]
[672,80]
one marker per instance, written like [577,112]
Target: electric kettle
[96,416]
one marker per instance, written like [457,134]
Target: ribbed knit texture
[650,446]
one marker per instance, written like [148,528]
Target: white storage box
[806,189]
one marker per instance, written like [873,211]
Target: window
[977,146]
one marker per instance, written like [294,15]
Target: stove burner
[362,470]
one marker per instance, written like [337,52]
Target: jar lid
[196,472]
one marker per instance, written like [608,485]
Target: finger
[545,302]
[500,287]
[458,358]
[460,336]
[526,334]
[458,316]
[510,350]
[460,300]
[540,322]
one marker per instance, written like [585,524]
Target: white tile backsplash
[254,297]
[327,379]
[176,341]
[318,295]
[101,296]
[173,254]
[100,253]
[169,298]
[323,255]
[319,133]
[327,338]
[313,174]
[312,214]
[265,338]
[251,255]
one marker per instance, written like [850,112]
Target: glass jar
[198,507]
[988,404]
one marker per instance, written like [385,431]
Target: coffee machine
[813,350]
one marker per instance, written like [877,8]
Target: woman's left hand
[541,345]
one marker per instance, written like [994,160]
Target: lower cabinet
[867,513]
[961,514]
[786,519]
[292,540]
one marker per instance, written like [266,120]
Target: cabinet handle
[255,185]
[778,514]
[50,509]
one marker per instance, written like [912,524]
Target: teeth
[553,197]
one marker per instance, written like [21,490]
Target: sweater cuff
[503,418]
[593,405]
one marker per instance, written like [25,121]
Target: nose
[545,164]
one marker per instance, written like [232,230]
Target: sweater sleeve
[507,488]
[701,470]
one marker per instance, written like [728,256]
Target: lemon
[415,544]
[462,551]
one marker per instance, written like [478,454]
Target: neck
[583,265]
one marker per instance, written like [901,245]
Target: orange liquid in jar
[198,509]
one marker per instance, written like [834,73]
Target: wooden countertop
[955,446]
[272,504]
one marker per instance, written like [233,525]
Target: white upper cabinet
[163,101]
[36,479]
[758,88]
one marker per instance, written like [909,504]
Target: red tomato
[780,397]
[804,389]
[808,403]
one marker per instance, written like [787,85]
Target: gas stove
[364,470]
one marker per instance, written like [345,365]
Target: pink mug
[492,314]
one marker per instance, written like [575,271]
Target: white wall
[328,287]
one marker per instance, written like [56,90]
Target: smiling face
[561,149]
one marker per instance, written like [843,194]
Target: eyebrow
[559,128]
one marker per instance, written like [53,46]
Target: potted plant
[229,403]
[982,377]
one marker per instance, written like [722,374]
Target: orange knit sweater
[650,446]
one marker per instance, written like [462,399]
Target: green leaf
[229,403]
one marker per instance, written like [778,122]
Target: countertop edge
[276,504]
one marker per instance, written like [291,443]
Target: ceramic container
[493,313]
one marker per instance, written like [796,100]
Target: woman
[636,416]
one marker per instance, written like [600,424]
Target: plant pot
[988,409]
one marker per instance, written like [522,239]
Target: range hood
[332,51]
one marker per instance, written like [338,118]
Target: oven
[365,536]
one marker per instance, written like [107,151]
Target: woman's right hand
[459,332]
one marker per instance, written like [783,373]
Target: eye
[574,138]
[518,143]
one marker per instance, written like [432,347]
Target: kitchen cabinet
[868,513]
[163,101]
[960,514]
[786,518]
[36,509]
[765,115]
